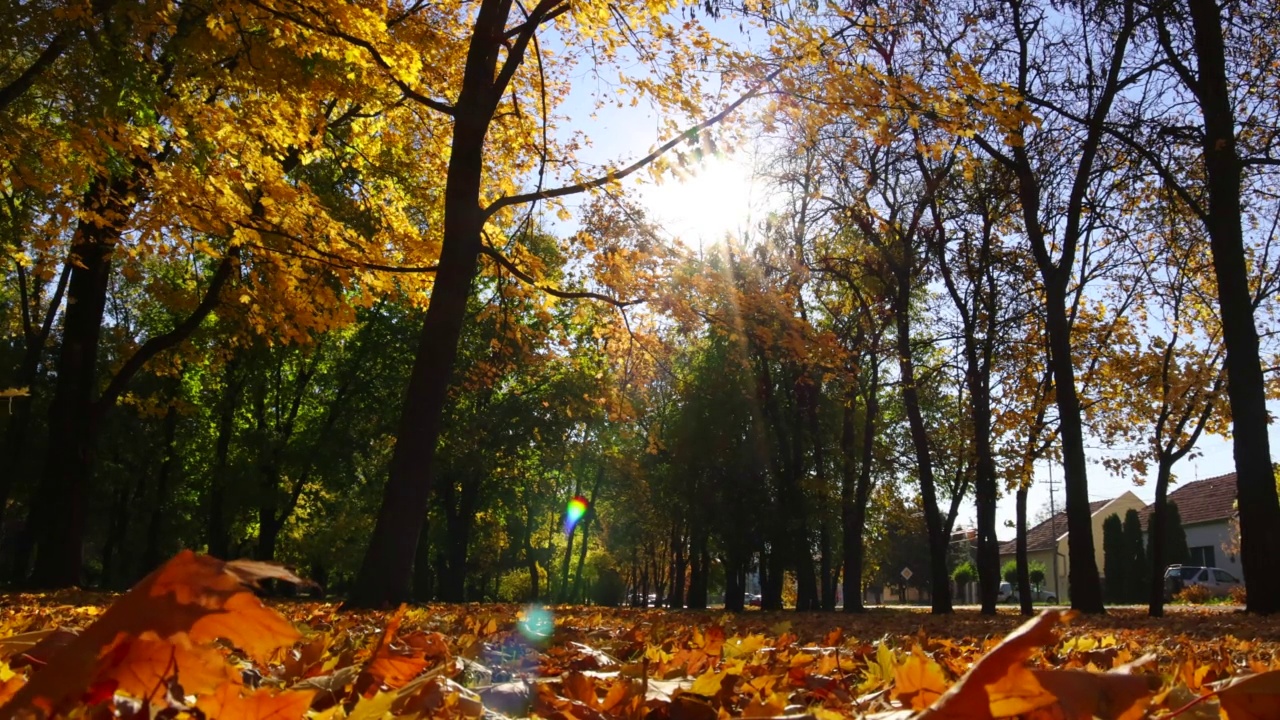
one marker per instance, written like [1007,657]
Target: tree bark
[1258,503]
[854,499]
[383,580]
[151,555]
[217,535]
[1020,544]
[59,512]
[940,581]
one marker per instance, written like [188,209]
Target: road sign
[906,573]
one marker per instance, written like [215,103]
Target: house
[1047,542]
[1208,509]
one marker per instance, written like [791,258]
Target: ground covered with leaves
[193,640]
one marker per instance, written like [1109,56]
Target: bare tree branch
[615,175]
[528,279]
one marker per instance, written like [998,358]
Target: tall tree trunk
[680,565]
[151,554]
[59,512]
[734,585]
[217,534]
[1083,583]
[985,489]
[383,580]
[700,562]
[1255,479]
[18,418]
[1156,537]
[854,499]
[422,574]
[940,581]
[586,535]
[460,521]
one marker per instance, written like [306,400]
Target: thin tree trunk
[940,582]
[586,535]
[422,574]
[19,416]
[854,500]
[151,555]
[1020,543]
[217,536]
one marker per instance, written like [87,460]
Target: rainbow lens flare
[574,512]
[535,624]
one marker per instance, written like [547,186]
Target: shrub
[964,573]
[1237,595]
[1009,571]
[1195,595]
[1036,573]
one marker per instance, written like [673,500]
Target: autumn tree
[1209,136]
[493,78]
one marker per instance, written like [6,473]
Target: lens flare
[535,624]
[574,512]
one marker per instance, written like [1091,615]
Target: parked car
[1005,593]
[1178,577]
[753,599]
[1037,596]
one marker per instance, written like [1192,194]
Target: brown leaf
[509,698]
[686,707]
[142,667]
[1254,697]
[229,704]
[51,643]
[192,599]
[969,697]
[387,666]
[1108,696]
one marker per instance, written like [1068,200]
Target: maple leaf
[1254,697]
[919,680]
[142,667]
[228,703]
[388,667]
[189,602]
[969,697]
[1112,695]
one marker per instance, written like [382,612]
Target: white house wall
[1215,535]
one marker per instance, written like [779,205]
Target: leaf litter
[194,640]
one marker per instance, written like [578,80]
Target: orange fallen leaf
[1255,697]
[1110,695]
[969,698]
[192,599]
[919,680]
[142,667]
[387,667]
[11,686]
[229,704]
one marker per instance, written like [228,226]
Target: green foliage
[1114,558]
[1137,568]
[1009,572]
[1176,551]
[964,573]
[1037,573]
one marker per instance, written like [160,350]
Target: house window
[1203,555]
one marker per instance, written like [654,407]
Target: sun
[712,200]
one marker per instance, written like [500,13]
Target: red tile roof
[1202,501]
[1042,537]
